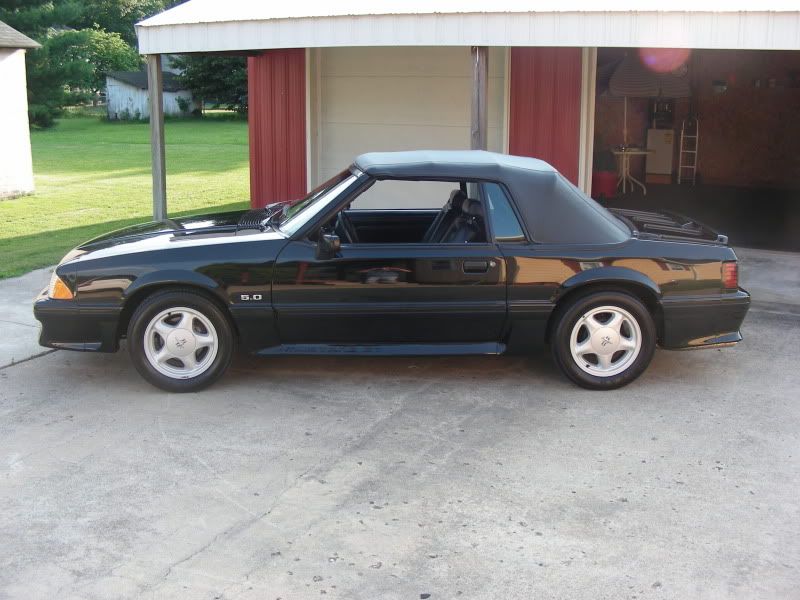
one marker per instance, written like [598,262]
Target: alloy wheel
[605,341]
[180,343]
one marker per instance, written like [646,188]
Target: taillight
[730,275]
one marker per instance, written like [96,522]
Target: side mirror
[328,245]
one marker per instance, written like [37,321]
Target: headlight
[59,290]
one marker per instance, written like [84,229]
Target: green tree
[49,74]
[219,79]
[47,83]
[81,40]
[35,18]
[70,68]
[96,51]
[120,16]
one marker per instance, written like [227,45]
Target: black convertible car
[480,253]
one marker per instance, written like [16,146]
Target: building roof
[11,38]
[209,11]
[139,79]
[213,26]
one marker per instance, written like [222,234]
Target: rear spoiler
[668,225]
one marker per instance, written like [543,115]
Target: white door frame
[586,141]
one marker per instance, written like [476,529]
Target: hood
[210,223]
[183,232]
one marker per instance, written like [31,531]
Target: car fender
[161,278]
[608,274]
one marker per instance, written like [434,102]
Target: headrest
[457,198]
[472,207]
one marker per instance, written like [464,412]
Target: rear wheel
[180,341]
[604,340]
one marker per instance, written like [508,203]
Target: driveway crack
[24,360]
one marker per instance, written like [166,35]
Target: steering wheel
[345,226]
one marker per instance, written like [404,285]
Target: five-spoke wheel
[603,340]
[180,340]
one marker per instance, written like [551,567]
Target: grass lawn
[93,176]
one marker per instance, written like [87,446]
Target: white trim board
[764,30]
[310,124]
[506,98]
[586,140]
[209,11]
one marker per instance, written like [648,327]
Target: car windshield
[296,215]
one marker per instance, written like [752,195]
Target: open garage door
[747,153]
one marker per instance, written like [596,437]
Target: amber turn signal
[59,289]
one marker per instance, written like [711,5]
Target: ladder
[690,144]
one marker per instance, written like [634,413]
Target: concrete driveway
[407,478]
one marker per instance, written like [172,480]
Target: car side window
[414,212]
[504,221]
[400,194]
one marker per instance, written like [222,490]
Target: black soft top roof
[445,163]
[554,210]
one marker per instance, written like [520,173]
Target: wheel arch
[145,287]
[608,279]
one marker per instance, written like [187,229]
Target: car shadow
[538,367]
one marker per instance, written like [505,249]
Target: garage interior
[747,104]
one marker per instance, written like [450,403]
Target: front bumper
[703,322]
[68,326]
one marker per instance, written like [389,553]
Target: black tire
[569,315]
[155,304]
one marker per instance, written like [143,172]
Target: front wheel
[604,340]
[180,341]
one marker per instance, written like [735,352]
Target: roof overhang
[251,25]
[12,39]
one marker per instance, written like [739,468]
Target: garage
[726,150]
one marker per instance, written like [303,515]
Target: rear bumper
[68,326]
[703,322]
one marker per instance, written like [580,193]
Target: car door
[390,293]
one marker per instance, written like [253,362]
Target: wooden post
[156,98]
[480,89]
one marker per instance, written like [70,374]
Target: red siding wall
[544,119]
[276,84]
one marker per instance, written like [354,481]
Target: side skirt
[385,349]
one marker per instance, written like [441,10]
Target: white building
[16,167]
[126,96]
